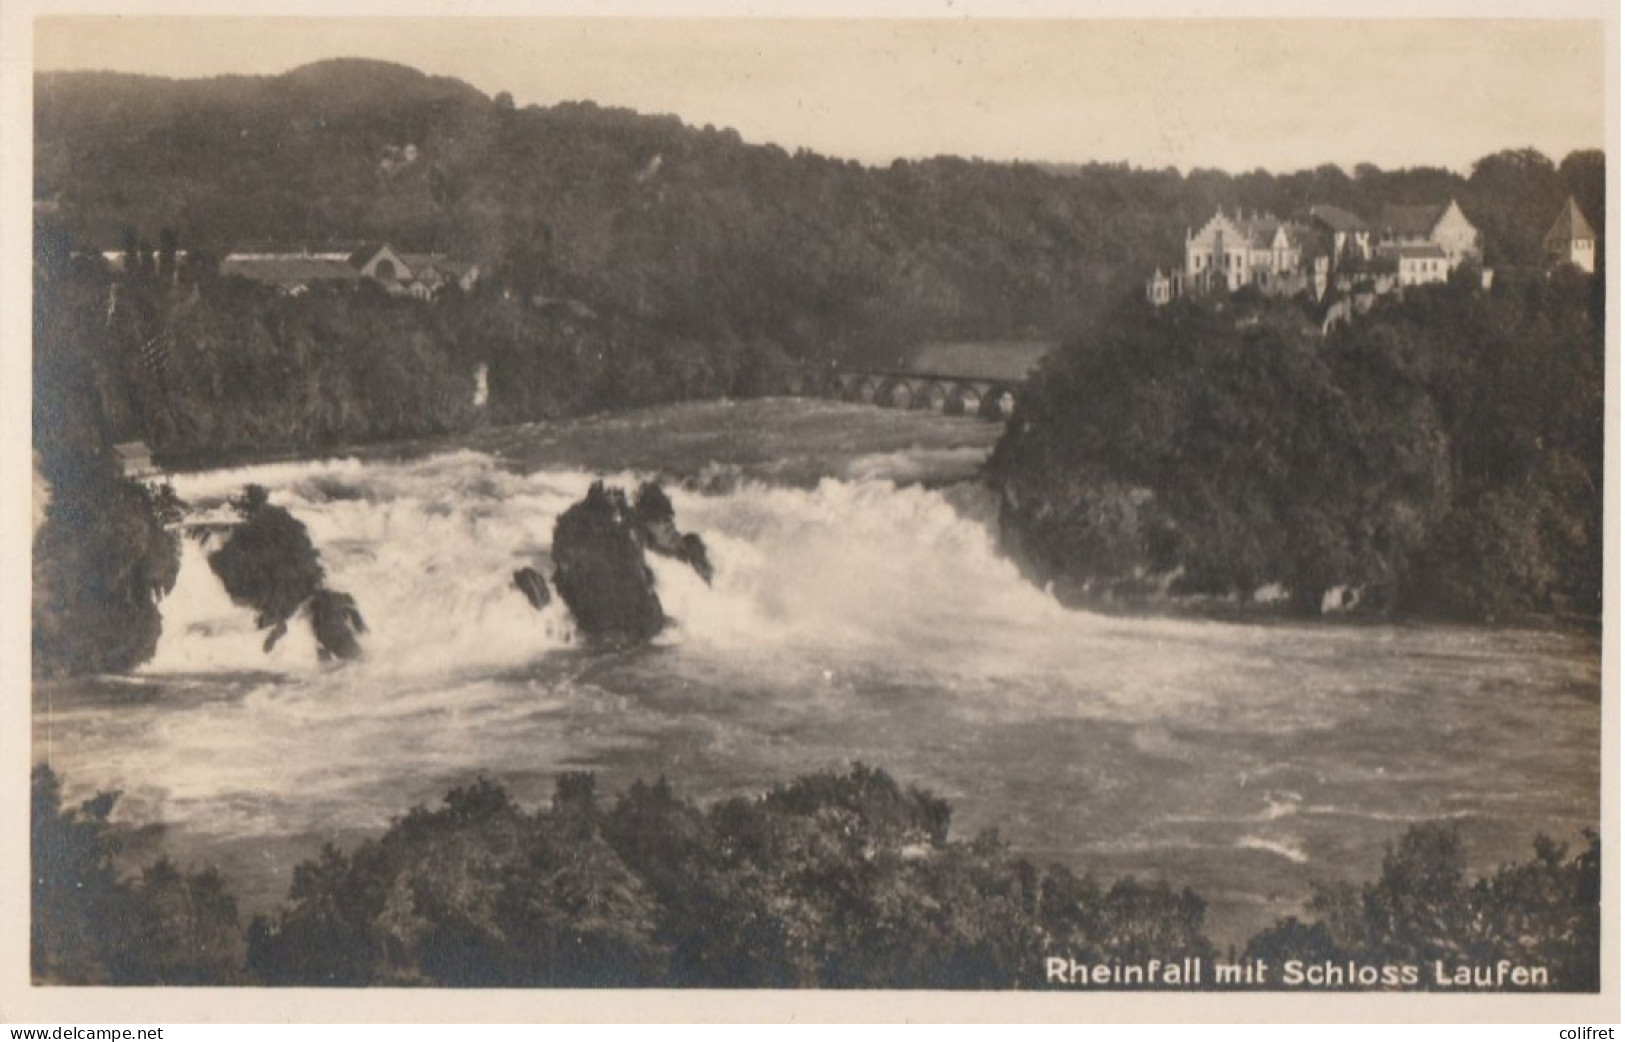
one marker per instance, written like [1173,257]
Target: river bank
[795,441]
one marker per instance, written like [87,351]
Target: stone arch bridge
[938,392]
[976,378]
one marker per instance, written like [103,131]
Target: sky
[1278,94]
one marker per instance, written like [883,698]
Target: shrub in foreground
[93,925]
[834,880]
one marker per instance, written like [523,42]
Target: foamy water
[854,618]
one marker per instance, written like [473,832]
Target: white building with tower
[1571,240]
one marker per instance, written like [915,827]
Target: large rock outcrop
[599,568]
[336,621]
[270,565]
[533,585]
[599,571]
[655,520]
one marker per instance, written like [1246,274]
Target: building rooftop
[1411,220]
[1255,230]
[418,262]
[288,269]
[1338,219]
[283,248]
[1571,224]
[365,252]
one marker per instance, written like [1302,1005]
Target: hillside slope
[688,229]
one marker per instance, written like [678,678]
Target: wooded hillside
[687,231]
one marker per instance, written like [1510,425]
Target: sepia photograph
[1075,504]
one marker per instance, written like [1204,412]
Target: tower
[1571,240]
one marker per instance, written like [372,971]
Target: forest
[832,880]
[677,236]
[1441,455]
[627,258]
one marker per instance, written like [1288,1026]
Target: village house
[1422,245]
[1350,235]
[291,272]
[134,460]
[1161,288]
[432,272]
[1421,265]
[1444,226]
[377,261]
[1571,240]
[295,272]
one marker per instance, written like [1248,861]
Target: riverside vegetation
[1443,454]
[833,880]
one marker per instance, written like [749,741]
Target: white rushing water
[849,575]
[853,619]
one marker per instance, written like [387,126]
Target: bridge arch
[933,396]
[896,393]
[951,395]
[963,400]
[998,403]
[823,383]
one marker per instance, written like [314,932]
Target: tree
[1423,907]
[90,926]
[1443,452]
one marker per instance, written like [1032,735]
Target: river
[860,612]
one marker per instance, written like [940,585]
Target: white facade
[1456,235]
[1235,252]
[384,265]
[1572,240]
[1160,289]
[1424,265]
[1443,226]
